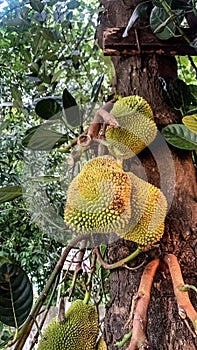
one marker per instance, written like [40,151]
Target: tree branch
[101,118]
[138,339]
[25,330]
[185,307]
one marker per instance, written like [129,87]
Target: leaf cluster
[167,18]
[183,98]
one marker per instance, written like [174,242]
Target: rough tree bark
[165,329]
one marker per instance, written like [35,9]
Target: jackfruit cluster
[79,330]
[137,127]
[98,199]
[103,198]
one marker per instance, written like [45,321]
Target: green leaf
[16,295]
[180,136]
[37,5]
[47,34]
[39,138]
[47,107]
[8,193]
[139,12]
[45,178]
[159,16]
[193,92]
[194,44]
[191,122]
[56,76]
[72,114]
[179,95]
[72,4]
[96,88]
[17,96]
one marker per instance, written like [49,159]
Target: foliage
[44,47]
[16,295]
[183,98]
[166,18]
[53,75]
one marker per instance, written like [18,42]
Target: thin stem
[138,339]
[185,307]
[171,14]
[34,341]
[89,282]
[25,330]
[77,270]
[119,263]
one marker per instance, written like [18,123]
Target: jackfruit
[103,198]
[98,198]
[137,127]
[148,213]
[101,344]
[79,330]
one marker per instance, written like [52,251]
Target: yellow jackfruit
[98,198]
[79,330]
[101,344]
[148,213]
[137,127]
[103,198]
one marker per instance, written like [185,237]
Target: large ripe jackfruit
[148,213]
[137,127]
[103,198]
[98,199]
[79,330]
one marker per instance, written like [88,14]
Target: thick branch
[101,118]
[184,304]
[138,339]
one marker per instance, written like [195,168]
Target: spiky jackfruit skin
[98,198]
[148,213]
[79,330]
[137,127]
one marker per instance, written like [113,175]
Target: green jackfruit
[148,213]
[137,127]
[79,330]
[98,198]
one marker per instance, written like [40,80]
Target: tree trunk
[172,170]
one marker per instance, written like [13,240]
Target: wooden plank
[142,40]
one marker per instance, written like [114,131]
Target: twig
[101,118]
[185,307]
[39,328]
[138,339]
[25,330]
[119,263]
[76,272]
[89,281]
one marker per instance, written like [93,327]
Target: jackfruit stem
[119,263]
[185,306]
